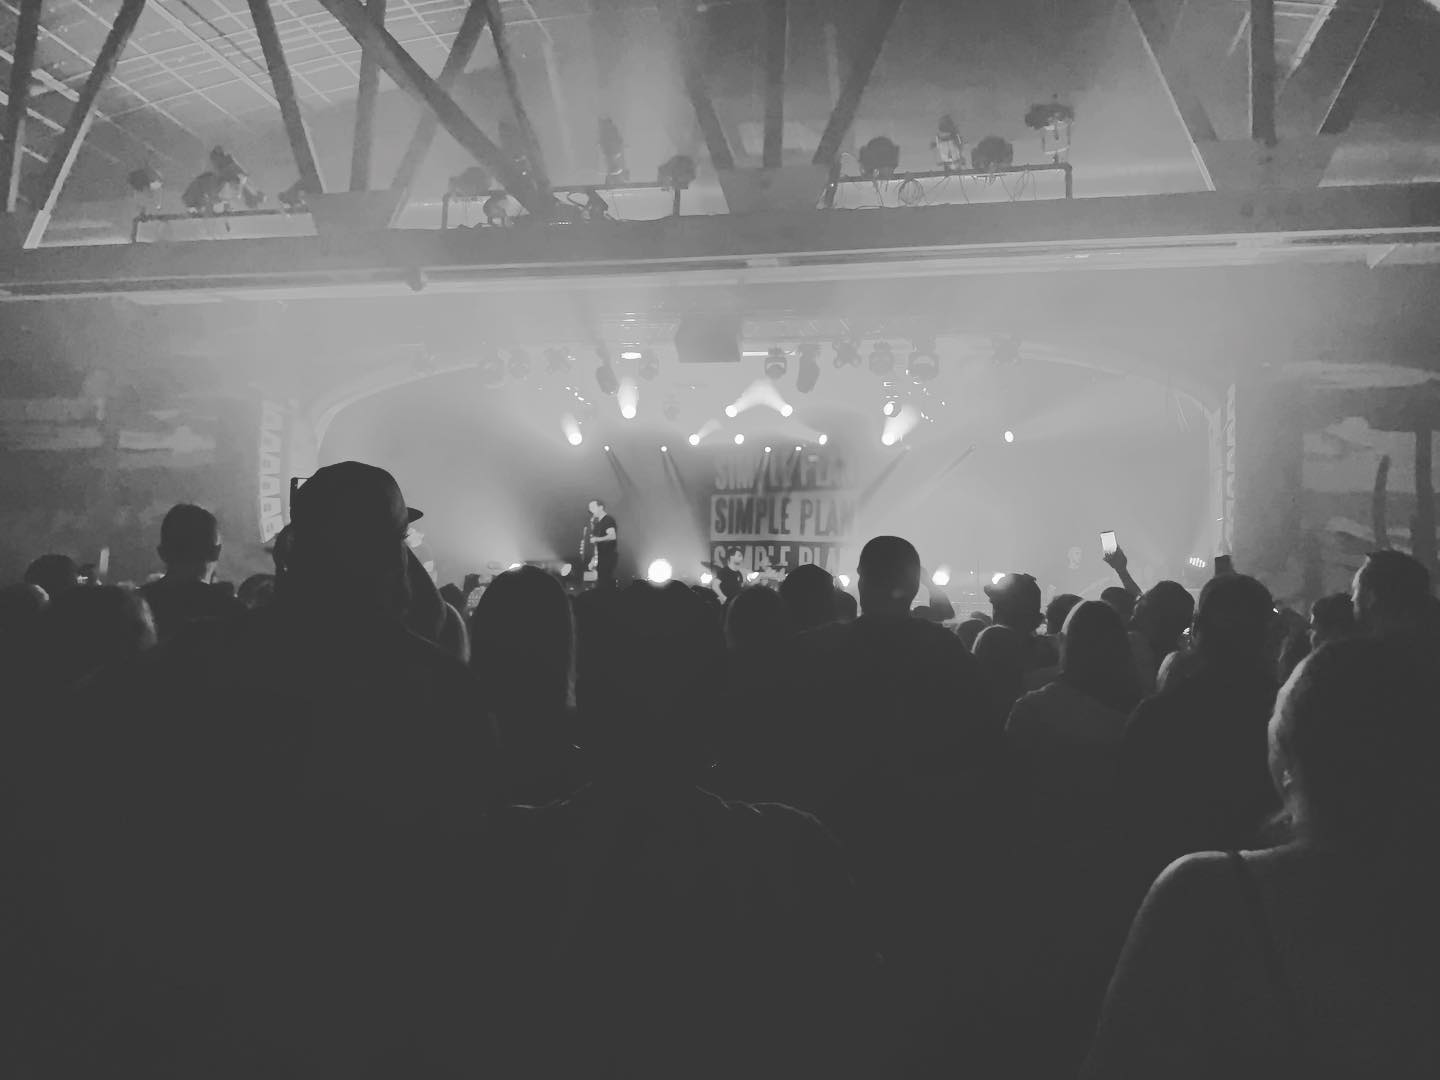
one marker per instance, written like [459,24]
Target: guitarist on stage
[602,537]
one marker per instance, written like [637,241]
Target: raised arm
[1117,561]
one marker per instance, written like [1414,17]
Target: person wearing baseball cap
[1015,602]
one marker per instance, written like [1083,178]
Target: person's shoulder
[1195,890]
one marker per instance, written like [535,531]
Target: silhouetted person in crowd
[1120,600]
[1162,615]
[1192,767]
[1313,958]
[847,608]
[96,627]
[665,931]
[809,595]
[53,573]
[1332,618]
[1392,598]
[969,632]
[190,549]
[252,816]
[22,675]
[1057,611]
[522,650]
[756,622]
[256,591]
[1004,658]
[430,616]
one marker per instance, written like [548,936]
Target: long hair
[1096,658]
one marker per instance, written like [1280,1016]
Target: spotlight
[776,363]
[888,439]
[892,406]
[879,158]
[694,440]
[997,578]
[753,575]
[991,154]
[606,379]
[575,438]
[799,449]
[1009,436]
[606,448]
[706,577]
[924,362]
[628,410]
[630,353]
[767,449]
[731,411]
[566,569]
[557,361]
[823,439]
[787,410]
[844,580]
[739,440]
[941,577]
[660,571]
[677,174]
[664,449]
[808,373]
[847,354]
[519,365]
[882,360]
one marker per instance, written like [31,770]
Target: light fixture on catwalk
[776,363]
[807,372]
[882,358]
[847,354]
[605,376]
[949,146]
[924,362]
[612,152]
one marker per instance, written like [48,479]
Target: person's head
[452,595]
[1095,655]
[345,544]
[648,662]
[55,574]
[968,631]
[889,573]
[1232,620]
[847,608]
[522,642]
[1057,610]
[189,542]
[1163,614]
[756,621]
[1391,594]
[1332,618]
[809,595]
[735,560]
[1002,654]
[1015,602]
[1120,600]
[86,629]
[257,591]
[1353,744]
[597,508]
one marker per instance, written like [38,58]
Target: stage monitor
[708,339]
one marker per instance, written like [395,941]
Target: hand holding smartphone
[1108,543]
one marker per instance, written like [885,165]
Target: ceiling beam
[411,78]
[687,32]
[856,79]
[1156,32]
[12,154]
[776,30]
[1262,71]
[362,148]
[496,20]
[62,159]
[195,37]
[295,129]
[1308,100]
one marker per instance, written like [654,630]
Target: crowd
[328,824]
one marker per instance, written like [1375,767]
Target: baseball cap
[1015,590]
[353,497]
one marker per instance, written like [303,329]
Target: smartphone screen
[1108,544]
[1223,565]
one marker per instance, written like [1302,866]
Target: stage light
[694,440]
[1197,563]
[882,359]
[607,448]
[630,353]
[888,439]
[799,449]
[605,377]
[515,566]
[996,579]
[660,571]
[612,149]
[949,146]
[767,449]
[1009,436]
[776,363]
[753,575]
[731,411]
[879,157]
[629,398]
[892,406]
[844,580]
[664,449]
[575,438]
[847,354]
[566,569]
[739,440]
[145,180]
[706,577]
[823,439]
[787,410]
[808,369]
[924,361]
[941,577]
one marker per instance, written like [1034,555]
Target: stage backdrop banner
[783,510]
